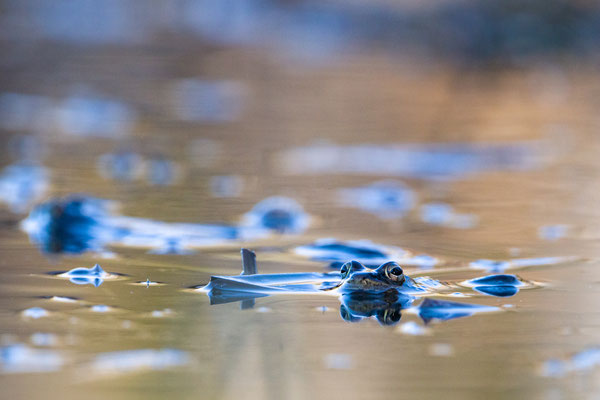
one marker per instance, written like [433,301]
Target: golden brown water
[285,348]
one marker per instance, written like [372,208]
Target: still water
[159,163]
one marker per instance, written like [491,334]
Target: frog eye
[394,272]
[345,270]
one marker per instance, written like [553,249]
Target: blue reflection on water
[364,251]
[432,309]
[471,31]
[123,166]
[553,232]
[502,265]
[226,185]
[78,224]
[141,359]
[93,116]
[442,214]
[23,184]
[584,361]
[423,161]
[277,213]
[160,171]
[207,101]
[386,199]
[20,358]
[35,313]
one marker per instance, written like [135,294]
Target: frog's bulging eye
[344,271]
[394,272]
[350,267]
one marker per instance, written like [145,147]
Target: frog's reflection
[385,308]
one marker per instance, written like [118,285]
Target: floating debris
[147,283]
[386,199]
[35,313]
[84,276]
[583,361]
[22,185]
[442,214]
[139,360]
[363,251]
[20,358]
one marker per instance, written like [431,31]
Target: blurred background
[458,129]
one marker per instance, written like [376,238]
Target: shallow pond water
[456,172]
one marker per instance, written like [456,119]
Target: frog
[382,292]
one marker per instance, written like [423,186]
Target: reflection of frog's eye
[394,272]
[345,270]
[389,316]
[347,315]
